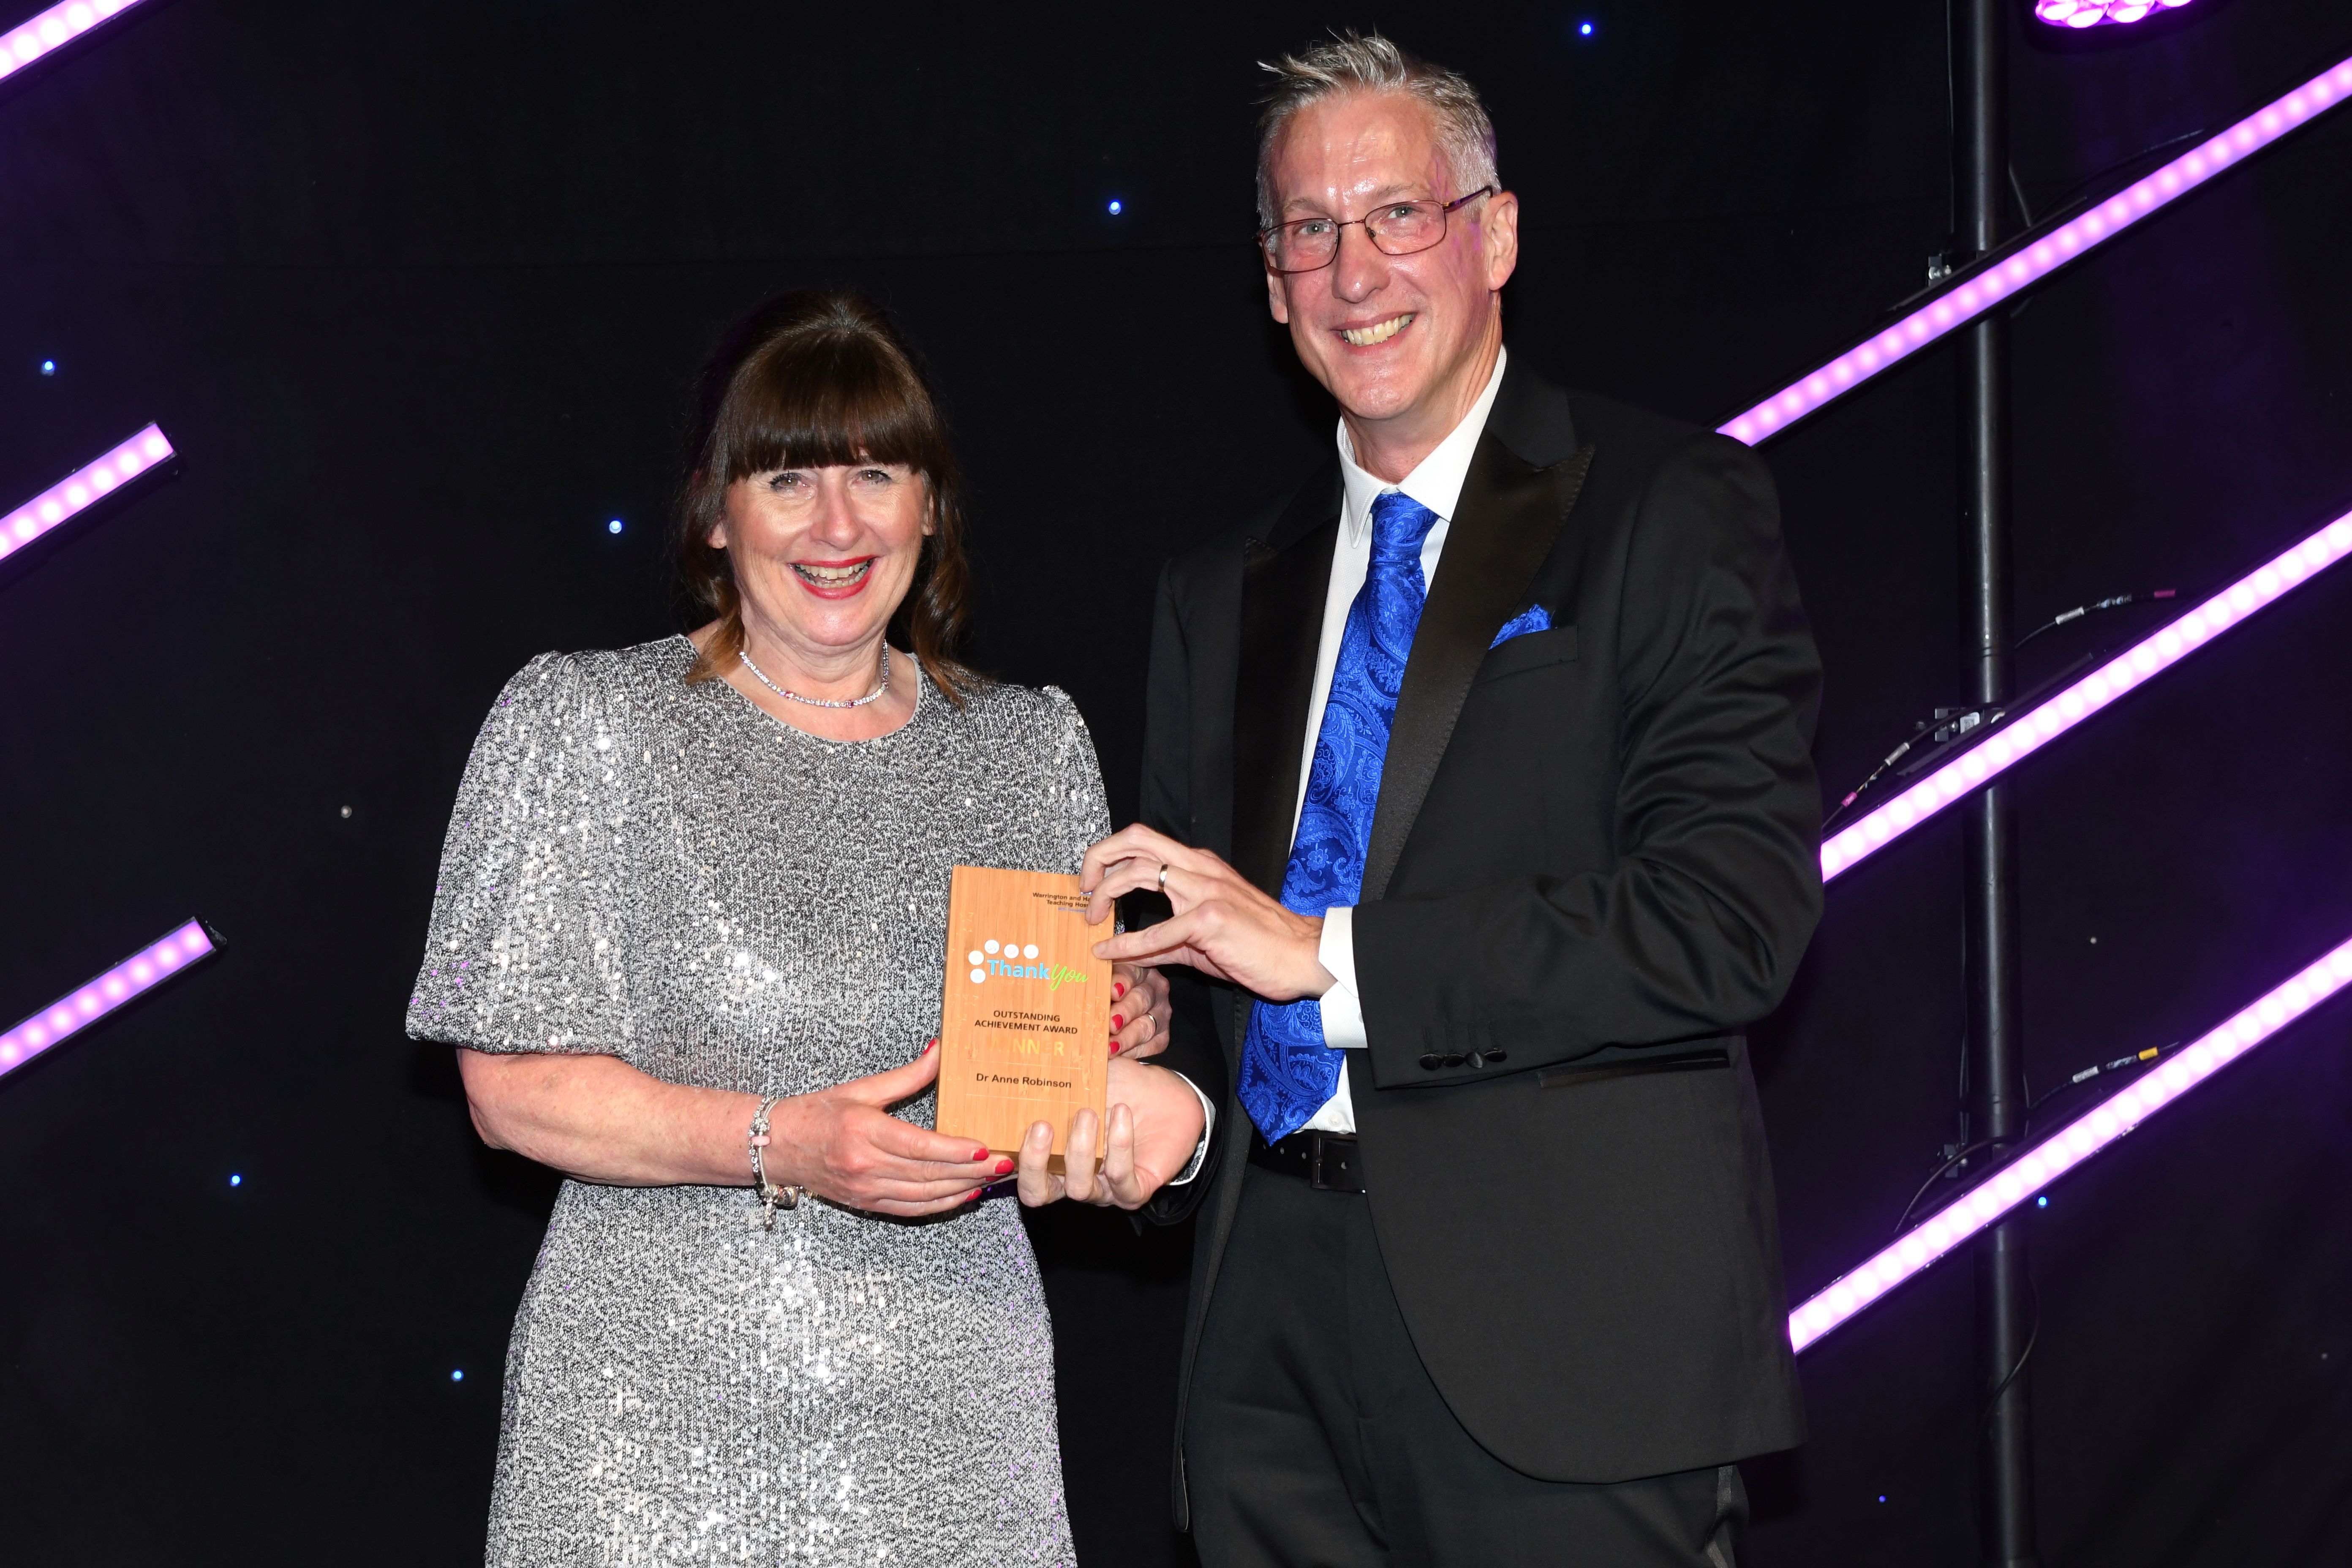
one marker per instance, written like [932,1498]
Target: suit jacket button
[1432,1062]
[1453,1059]
[1494,1056]
[1477,1059]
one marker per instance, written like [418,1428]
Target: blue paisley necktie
[1287,1071]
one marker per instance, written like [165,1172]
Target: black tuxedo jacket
[1594,859]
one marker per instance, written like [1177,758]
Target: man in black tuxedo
[1477,779]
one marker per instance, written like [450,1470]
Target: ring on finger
[1163,876]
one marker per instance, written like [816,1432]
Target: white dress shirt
[1436,483]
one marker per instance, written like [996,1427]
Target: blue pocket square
[1534,618]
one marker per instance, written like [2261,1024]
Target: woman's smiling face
[823,556]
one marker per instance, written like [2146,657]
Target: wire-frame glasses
[1397,228]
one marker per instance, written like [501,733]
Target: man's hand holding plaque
[1154,1124]
[1223,927]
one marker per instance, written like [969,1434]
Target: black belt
[1325,1160]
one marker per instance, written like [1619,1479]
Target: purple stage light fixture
[58,25]
[2047,1159]
[2030,259]
[2030,731]
[140,973]
[2091,13]
[78,490]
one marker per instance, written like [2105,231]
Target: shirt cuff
[1343,1009]
[1208,1125]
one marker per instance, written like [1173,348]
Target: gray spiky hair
[1352,62]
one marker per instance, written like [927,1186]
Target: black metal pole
[1995,1041]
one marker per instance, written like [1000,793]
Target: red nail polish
[1118,989]
[978,1156]
[1117,1022]
[1114,1047]
[929,1047]
[1004,1167]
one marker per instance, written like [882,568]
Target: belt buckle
[1315,1146]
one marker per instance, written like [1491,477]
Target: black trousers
[1315,1438]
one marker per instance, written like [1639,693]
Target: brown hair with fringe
[812,379]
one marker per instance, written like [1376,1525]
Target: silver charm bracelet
[771,1197]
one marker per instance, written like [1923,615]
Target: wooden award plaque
[1024,1030]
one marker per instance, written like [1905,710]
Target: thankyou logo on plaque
[1025,1032]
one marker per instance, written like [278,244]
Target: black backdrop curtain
[418,289]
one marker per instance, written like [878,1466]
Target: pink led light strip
[139,973]
[77,490]
[2004,277]
[58,25]
[2091,13]
[2047,1159]
[2029,732]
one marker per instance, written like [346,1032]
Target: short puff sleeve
[527,947]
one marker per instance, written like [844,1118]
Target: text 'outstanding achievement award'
[1024,1031]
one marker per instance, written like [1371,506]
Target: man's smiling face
[1395,338]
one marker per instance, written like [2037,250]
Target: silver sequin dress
[668,875]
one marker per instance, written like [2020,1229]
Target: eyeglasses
[1398,228]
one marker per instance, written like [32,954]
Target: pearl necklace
[880,685]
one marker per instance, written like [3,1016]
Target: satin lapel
[1509,517]
[1281,627]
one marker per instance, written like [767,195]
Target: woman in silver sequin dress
[686,876]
